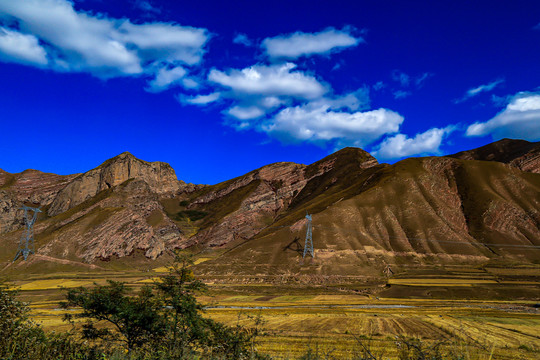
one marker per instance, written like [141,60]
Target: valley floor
[297,319]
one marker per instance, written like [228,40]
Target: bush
[135,320]
[161,322]
[24,339]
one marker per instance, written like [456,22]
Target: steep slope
[112,211]
[240,208]
[159,176]
[521,154]
[429,211]
[31,187]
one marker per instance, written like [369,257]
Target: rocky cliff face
[521,154]
[30,187]
[114,224]
[159,176]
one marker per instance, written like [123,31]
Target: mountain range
[474,207]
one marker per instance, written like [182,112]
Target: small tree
[167,317]
[188,329]
[134,319]
[184,322]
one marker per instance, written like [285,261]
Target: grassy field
[341,322]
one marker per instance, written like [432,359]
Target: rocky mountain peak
[159,176]
[349,157]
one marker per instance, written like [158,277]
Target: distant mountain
[433,210]
[521,154]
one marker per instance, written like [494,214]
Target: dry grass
[53,284]
[296,319]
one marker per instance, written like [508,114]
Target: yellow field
[337,324]
[342,324]
[53,284]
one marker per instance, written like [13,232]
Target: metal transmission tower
[26,244]
[308,247]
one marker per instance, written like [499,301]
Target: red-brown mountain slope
[521,154]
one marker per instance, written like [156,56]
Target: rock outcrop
[32,187]
[123,219]
[159,176]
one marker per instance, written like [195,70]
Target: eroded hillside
[366,215]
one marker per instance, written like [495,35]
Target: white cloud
[520,119]
[21,48]
[201,99]
[479,89]
[259,89]
[190,83]
[273,80]
[105,47]
[401,145]
[164,42]
[242,39]
[165,78]
[246,112]
[317,122]
[293,46]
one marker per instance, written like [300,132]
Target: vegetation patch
[9,181]
[192,215]
[155,218]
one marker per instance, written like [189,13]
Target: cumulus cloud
[165,78]
[318,122]
[242,39]
[479,89]
[245,113]
[21,48]
[401,145]
[258,89]
[201,99]
[520,119]
[190,83]
[298,44]
[104,47]
[271,80]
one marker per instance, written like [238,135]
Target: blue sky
[220,88]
